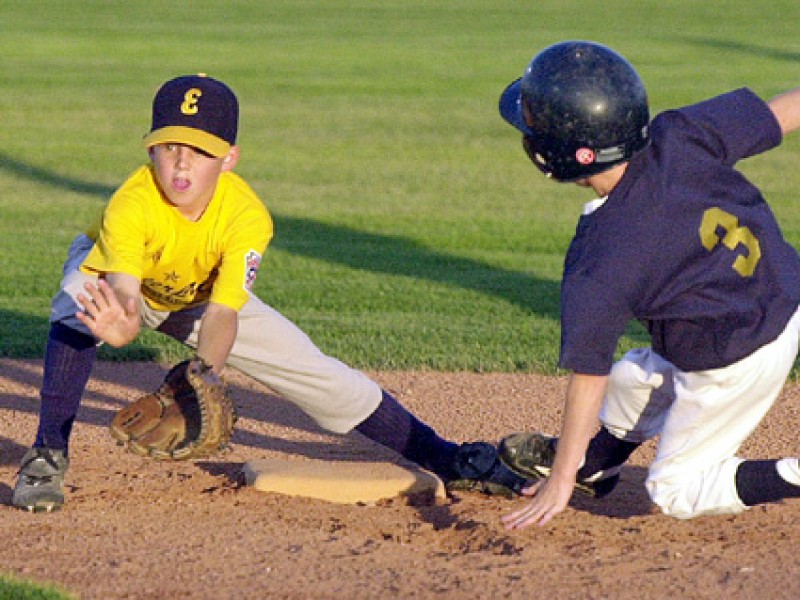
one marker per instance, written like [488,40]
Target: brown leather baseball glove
[189,416]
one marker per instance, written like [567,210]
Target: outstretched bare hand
[105,317]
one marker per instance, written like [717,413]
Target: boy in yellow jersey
[177,250]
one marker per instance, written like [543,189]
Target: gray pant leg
[274,351]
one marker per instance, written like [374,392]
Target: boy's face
[188,176]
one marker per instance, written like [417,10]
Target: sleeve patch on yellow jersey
[252,260]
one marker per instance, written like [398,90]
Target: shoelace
[47,456]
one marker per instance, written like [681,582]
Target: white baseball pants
[702,418]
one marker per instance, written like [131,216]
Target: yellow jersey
[181,263]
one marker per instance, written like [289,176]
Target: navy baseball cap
[511,106]
[195,110]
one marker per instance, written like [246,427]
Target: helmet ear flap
[529,143]
[582,109]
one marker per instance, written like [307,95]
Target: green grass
[411,230]
[12,588]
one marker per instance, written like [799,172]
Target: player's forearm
[217,333]
[127,290]
[585,395]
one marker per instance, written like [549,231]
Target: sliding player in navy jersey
[681,241]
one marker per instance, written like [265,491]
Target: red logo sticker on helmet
[585,156]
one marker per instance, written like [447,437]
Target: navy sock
[67,365]
[393,426]
[605,451]
[758,481]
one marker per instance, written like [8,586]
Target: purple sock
[605,452]
[758,481]
[391,425]
[67,365]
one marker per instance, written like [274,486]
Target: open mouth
[181,184]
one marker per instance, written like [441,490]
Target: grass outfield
[12,588]
[411,231]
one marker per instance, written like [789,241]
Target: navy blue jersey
[685,244]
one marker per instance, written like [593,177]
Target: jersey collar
[592,206]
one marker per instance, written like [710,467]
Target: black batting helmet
[581,108]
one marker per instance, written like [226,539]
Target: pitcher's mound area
[342,482]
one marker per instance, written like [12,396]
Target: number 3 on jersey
[715,219]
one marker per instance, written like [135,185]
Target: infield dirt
[136,528]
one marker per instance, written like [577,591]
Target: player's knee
[671,499]
[689,497]
[339,403]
